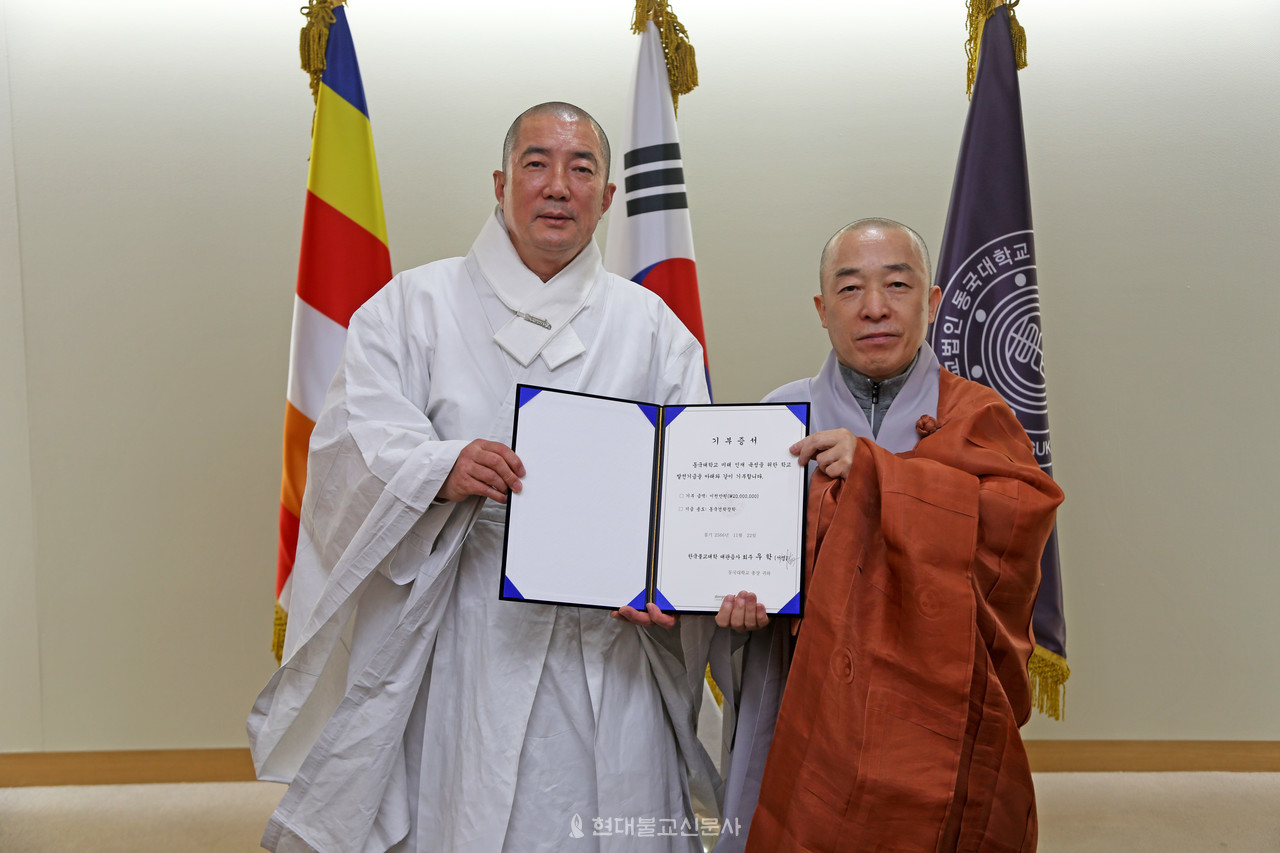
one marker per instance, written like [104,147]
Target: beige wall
[150,208]
[19,644]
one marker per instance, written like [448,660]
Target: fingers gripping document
[625,502]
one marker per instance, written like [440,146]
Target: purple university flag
[988,324]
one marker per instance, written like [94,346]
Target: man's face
[875,303]
[553,192]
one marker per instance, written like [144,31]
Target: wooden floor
[26,769]
[1078,813]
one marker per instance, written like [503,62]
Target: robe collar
[919,396]
[541,311]
[868,392]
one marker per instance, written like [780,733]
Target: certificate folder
[626,502]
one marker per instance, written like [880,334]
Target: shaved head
[876,301]
[874,222]
[562,110]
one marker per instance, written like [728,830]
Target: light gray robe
[414,710]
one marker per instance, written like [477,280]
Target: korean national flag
[650,237]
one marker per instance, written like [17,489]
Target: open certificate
[625,502]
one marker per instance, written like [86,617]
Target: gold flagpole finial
[682,67]
[314,39]
[979,11]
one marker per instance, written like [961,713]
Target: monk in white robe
[414,710]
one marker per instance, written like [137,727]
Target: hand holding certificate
[626,503]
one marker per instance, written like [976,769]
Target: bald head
[561,110]
[876,302]
[867,224]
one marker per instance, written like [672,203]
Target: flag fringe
[314,39]
[682,66]
[1049,673]
[277,635]
[715,688]
[979,11]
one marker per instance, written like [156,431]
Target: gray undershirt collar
[875,397]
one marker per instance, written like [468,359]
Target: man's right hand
[486,468]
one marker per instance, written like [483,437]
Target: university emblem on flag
[988,328]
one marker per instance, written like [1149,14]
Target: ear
[935,299]
[608,196]
[822,309]
[499,184]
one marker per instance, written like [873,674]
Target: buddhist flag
[344,260]
[988,324]
[650,236]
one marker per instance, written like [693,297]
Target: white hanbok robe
[415,710]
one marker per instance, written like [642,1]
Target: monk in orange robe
[898,726]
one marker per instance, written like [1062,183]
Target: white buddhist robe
[415,710]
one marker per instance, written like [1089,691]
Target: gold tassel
[314,39]
[277,636]
[682,67]
[979,11]
[715,688]
[1049,673]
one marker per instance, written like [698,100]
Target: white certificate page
[578,531]
[731,507]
